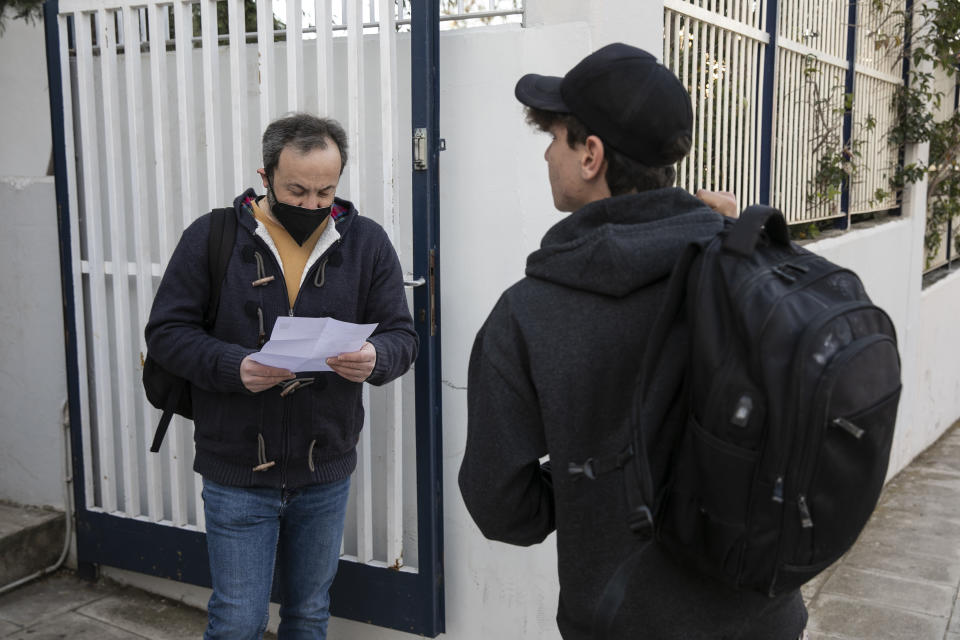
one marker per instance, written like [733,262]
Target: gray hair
[304,133]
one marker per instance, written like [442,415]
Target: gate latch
[420,149]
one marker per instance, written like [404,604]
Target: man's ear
[593,159]
[263,176]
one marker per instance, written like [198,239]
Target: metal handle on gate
[410,284]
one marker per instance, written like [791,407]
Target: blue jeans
[248,530]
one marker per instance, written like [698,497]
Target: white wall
[938,357]
[32,361]
[25,125]
[32,369]
[886,258]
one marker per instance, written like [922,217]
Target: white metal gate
[164,104]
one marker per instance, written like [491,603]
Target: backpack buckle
[640,520]
[586,469]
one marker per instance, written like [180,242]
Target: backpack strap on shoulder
[223,235]
[220,241]
[756,218]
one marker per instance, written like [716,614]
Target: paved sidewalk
[899,582]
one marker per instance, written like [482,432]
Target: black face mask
[300,223]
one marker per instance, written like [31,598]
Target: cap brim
[541,92]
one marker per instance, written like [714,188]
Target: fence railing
[719,58]
[718,49]
[454,14]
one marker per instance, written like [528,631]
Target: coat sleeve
[506,491]
[395,339]
[175,334]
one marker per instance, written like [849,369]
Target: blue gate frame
[411,602]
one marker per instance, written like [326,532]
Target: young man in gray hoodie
[554,367]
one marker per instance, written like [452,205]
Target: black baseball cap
[624,96]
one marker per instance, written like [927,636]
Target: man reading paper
[276,449]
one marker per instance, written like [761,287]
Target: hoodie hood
[617,245]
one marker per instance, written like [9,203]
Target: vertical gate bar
[706,117]
[802,149]
[209,55]
[701,117]
[265,62]
[739,183]
[725,111]
[785,98]
[690,69]
[158,95]
[710,175]
[123,365]
[670,20]
[160,115]
[749,70]
[690,79]
[294,55]
[63,122]
[91,190]
[848,83]
[324,52]
[389,126]
[238,89]
[138,215]
[425,111]
[355,112]
[683,55]
[760,138]
[686,167]
[755,63]
[799,155]
[364,480]
[779,148]
[767,101]
[183,26]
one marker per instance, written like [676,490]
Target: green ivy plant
[929,42]
[933,43]
[29,10]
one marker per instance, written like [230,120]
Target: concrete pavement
[899,582]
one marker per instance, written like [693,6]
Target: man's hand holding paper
[320,344]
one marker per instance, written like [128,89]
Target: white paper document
[304,344]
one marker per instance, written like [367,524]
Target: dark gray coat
[552,372]
[310,434]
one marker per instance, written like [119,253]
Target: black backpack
[167,391]
[760,459]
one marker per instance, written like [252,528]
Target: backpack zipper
[808,460]
[779,490]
